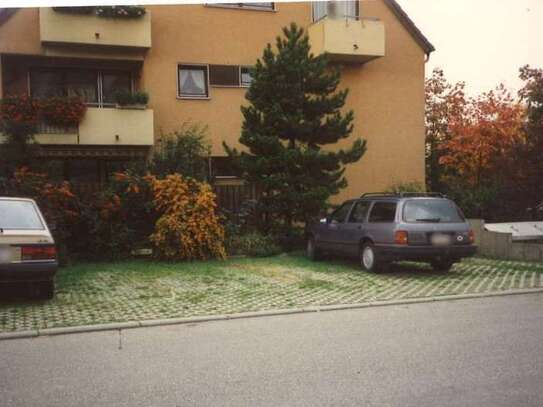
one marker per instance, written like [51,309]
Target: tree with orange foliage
[483,138]
[443,101]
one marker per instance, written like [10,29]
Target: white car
[27,248]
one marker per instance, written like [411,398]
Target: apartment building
[194,61]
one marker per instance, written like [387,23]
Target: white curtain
[334,9]
[193,82]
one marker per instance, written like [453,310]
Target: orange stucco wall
[386,94]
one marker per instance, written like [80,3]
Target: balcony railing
[348,40]
[89,29]
[101,126]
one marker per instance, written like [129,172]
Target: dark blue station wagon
[381,228]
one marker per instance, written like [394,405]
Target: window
[359,212]
[431,210]
[383,212]
[224,75]
[223,167]
[230,75]
[19,215]
[245,76]
[193,81]
[112,82]
[335,9]
[340,213]
[92,86]
[269,6]
[45,83]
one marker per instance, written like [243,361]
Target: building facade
[194,62]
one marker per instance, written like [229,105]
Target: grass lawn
[90,293]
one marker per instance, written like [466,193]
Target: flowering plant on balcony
[62,112]
[120,11]
[18,113]
[127,98]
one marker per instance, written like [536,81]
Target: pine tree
[294,111]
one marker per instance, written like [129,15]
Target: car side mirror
[324,220]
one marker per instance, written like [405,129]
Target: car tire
[46,290]
[442,264]
[312,252]
[370,260]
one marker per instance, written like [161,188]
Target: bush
[409,186]
[252,244]
[188,225]
[185,152]
[127,98]
[64,112]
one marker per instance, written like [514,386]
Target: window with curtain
[335,9]
[245,76]
[45,83]
[113,82]
[193,81]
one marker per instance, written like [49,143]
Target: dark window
[45,83]
[193,81]
[245,76]
[383,212]
[83,171]
[223,167]
[340,213]
[431,210]
[113,82]
[359,212]
[224,75]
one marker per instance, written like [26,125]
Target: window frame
[368,217]
[99,80]
[349,205]
[356,18]
[226,86]
[240,6]
[368,203]
[208,85]
[241,85]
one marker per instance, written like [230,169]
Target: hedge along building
[193,61]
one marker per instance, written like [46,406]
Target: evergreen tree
[294,111]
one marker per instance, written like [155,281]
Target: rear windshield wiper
[436,220]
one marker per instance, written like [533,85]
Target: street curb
[253,314]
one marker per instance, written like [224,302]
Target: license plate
[439,239]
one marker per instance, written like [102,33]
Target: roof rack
[401,194]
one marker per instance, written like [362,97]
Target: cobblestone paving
[131,291]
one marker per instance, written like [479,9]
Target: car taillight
[48,252]
[471,236]
[400,237]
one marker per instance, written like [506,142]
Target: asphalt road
[477,352]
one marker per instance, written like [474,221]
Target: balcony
[348,40]
[88,29]
[103,126]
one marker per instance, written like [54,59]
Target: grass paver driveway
[92,293]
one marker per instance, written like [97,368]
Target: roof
[410,26]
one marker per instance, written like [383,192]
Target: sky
[481,42]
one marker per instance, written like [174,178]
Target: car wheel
[370,259]
[312,251]
[442,264]
[46,290]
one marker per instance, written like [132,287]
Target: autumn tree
[479,154]
[444,100]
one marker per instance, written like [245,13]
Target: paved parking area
[142,290]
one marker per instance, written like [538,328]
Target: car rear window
[19,215]
[432,210]
[383,212]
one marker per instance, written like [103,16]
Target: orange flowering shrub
[19,110]
[188,226]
